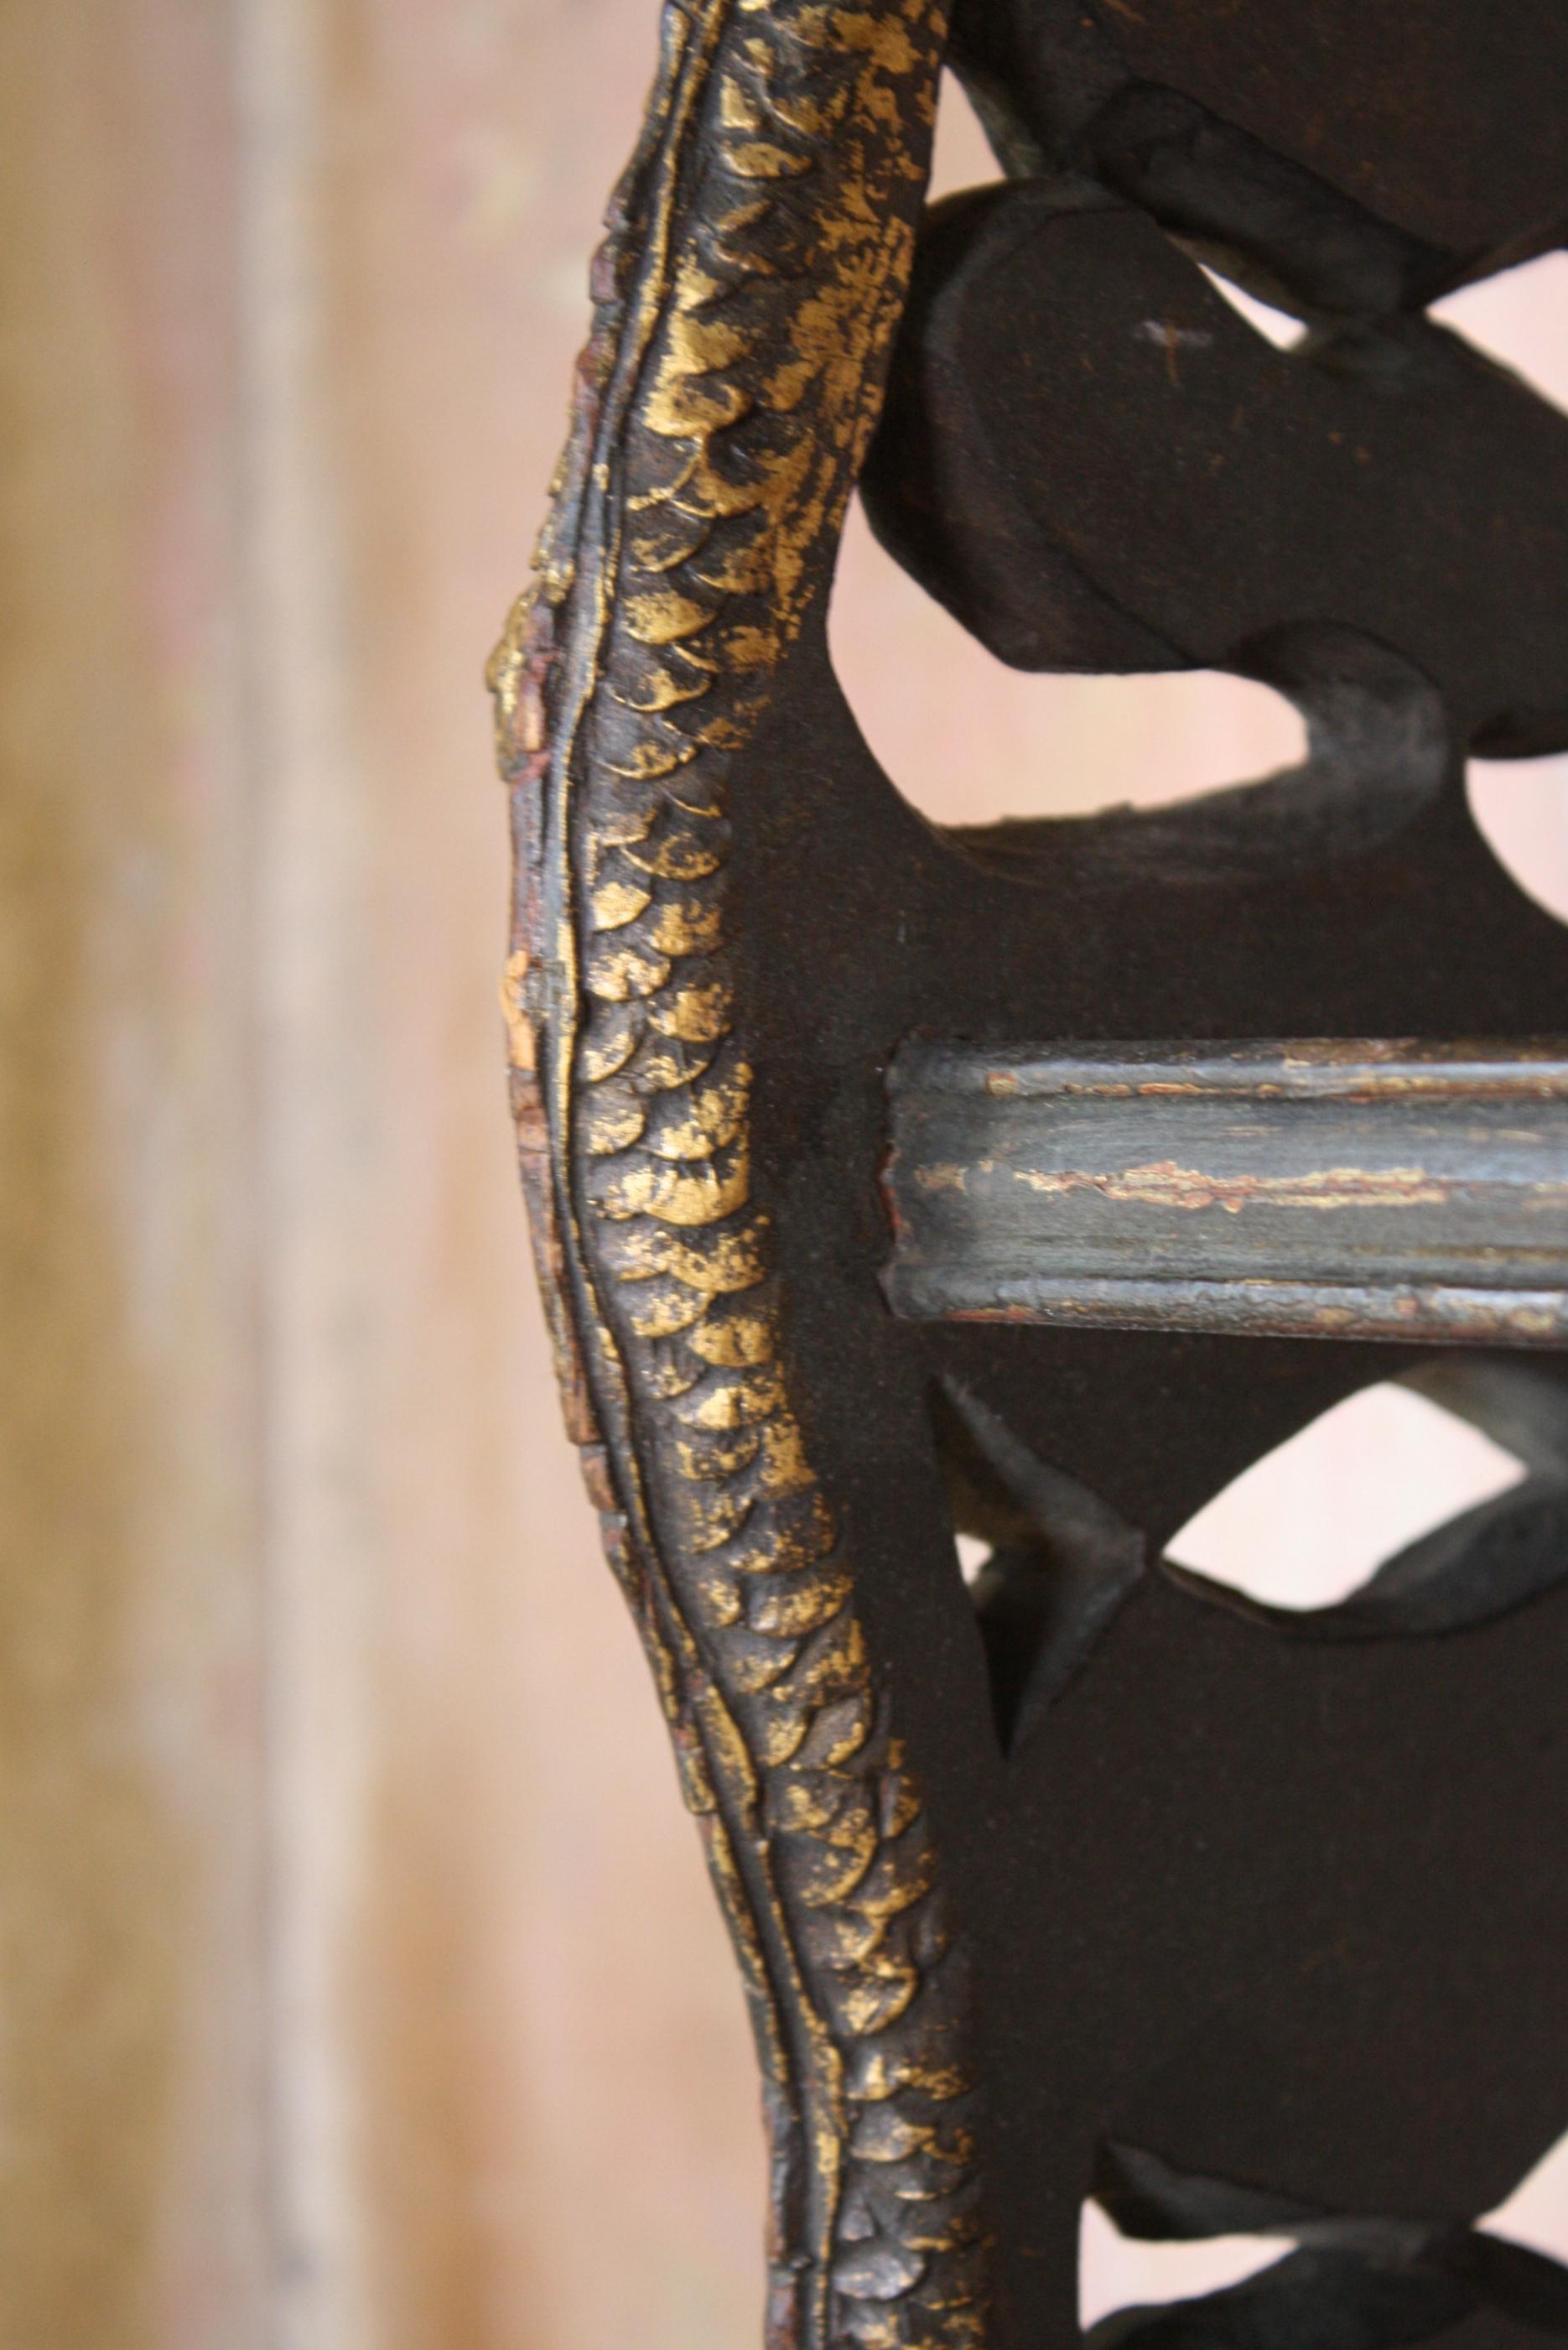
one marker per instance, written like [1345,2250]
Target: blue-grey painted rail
[1339,1188]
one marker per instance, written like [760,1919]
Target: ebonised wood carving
[1095,1880]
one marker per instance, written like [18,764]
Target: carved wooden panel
[1088,1880]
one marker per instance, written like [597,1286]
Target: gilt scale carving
[730,323]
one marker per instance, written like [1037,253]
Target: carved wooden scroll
[1090,1880]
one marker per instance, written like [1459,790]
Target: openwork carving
[1085,1884]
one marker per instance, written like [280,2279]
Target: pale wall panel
[515,2099]
[129,1818]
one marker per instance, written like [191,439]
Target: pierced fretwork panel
[1082,1875]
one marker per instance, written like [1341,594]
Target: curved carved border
[757,260]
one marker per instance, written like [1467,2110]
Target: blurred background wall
[359,1988]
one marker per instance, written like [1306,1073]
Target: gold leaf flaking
[759,159]
[667,1313]
[898,1889]
[611,1045]
[626,827]
[835,1665]
[684,408]
[611,1122]
[669,1378]
[727,1743]
[726,1265]
[881,2074]
[651,761]
[855,1829]
[760,1670]
[786,1469]
[737,1402]
[781,1739]
[715,1117]
[829,1876]
[615,904]
[886,43]
[850,1941]
[682,858]
[792,1549]
[703,1197]
[705,1457]
[520,1047]
[841,1730]
[699,795]
[722,732]
[804,115]
[715,1516]
[667,549]
[744,571]
[752,648]
[721,1599]
[804,1807]
[803,1608]
[737,111]
[686,928]
[663,617]
[663,1069]
[699,347]
[875,2006]
[737,1342]
[662,691]
[617,973]
[684,1144]
[901,1804]
[694,1014]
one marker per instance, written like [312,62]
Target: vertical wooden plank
[129,1937]
[321,1143]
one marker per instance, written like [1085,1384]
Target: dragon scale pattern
[756,265]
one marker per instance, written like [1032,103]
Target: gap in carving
[1182,2238]
[1276,326]
[1117,2271]
[1536,2213]
[961,153]
[973,1557]
[1521,807]
[1054,745]
[1310,1522]
[1063,745]
[1520,317]
[1047,1564]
